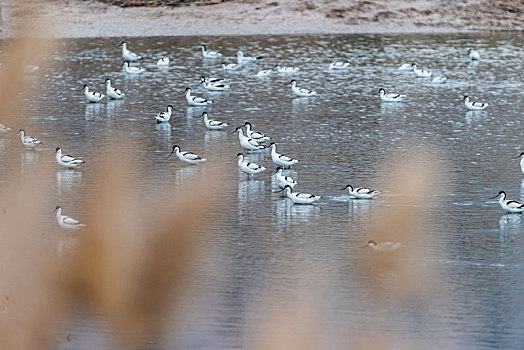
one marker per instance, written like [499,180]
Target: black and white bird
[248,168]
[474,106]
[390,97]
[210,53]
[299,197]
[132,70]
[186,157]
[421,73]
[213,124]
[112,92]
[66,160]
[210,85]
[92,96]
[300,92]
[28,141]
[67,222]
[361,192]
[283,180]
[508,205]
[279,159]
[241,59]
[255,135]
[521,161]
[196,101]
[246,142]
[164,117]
[128,55]
[473,55]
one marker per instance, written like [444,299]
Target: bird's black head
[57,207]
[125,62]
[187,89]
[413,64]
[272,144]
[292,81]
[170,106]
[57,149]
[247,123]
[465,97]
[122,43]
[239,154]
[381,90]
[372,242]
[346,187]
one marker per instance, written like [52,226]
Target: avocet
[473,55]
[339,65]
[285,69]
[521,161]
[92,96]
[196,101]
[301,92]
[421,73]
[132,70]
[186,157]
[299,197]
[209,53]
[241,59]
[28,141]
[510,206]
[164,61]
[213,124]
[474,106]
[112,92]
[67,161]
[248,168]
[67,222]
[255,135]
[390,97]
[213,85]
[361,192]
[247,143]
[282,180]
[128,55]
[279,159]
[163,117]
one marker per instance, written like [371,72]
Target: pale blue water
[344,135]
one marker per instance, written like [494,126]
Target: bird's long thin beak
[173,151]
[363,246]
[343,189]
[495,196]
[517,157]
[278,190]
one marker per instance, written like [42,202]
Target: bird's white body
[213,124]
[406,67]
[210,53]
[255,135]
[112,92]
[439,80]
[196,101]
[164,61]
[509,206]
[67,161]
[91,96]
[164,117]
[283,181]
[390,97]
[28,141]
[474,55]
[301,92]
[386,247]
[241,59]
[338,65]
[522,164]
[67,222]
[421,73]
[248,143]
[286,69]
[231,66]
[248,168]
[264,73]
[300,198]
[361,192]
[187,157]
[474,106]
[133,70]
[4,129]
[214,86]
[128,55]
[281,160]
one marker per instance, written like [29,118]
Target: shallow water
[344,135]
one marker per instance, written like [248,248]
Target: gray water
[344,135]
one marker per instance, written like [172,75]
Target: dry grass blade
[412,182]
[131,263]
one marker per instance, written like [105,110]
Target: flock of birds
[250,140]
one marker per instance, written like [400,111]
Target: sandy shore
[88,18]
